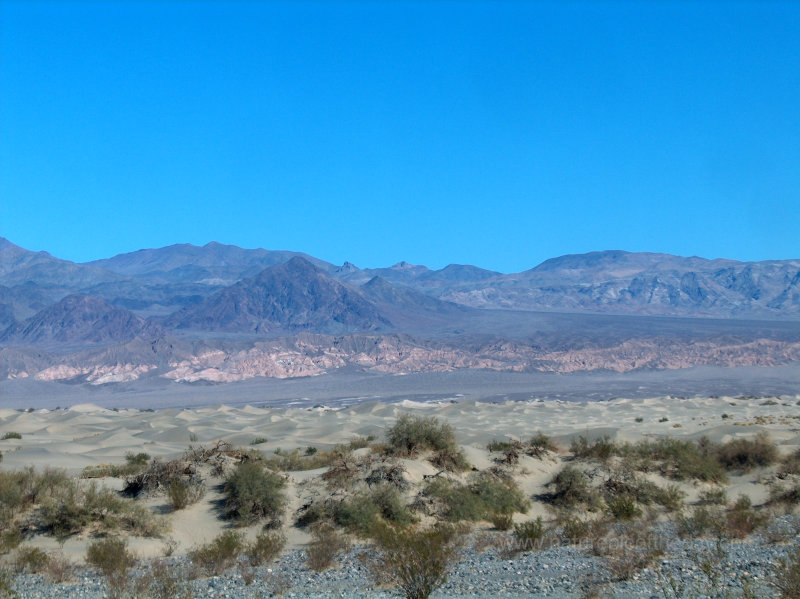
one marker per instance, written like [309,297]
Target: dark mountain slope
[213,263]
[77,319]
[290,297]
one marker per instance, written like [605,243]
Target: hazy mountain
[294,296]
[19,266]
[213,263]
[77,319]
[642,283]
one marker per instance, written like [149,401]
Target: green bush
[112,558]
[253,493]
[30,559]
[601,448]
[623,507]
[182,494]
[713,497]
[482,498]
[416,560]
[786,576]
[10,435]
[265,548]
[746,454]
[220,554]
[571,488]
[258,441]
[411,434]
[743,519]
[529,535]
[71,508]
[325,545]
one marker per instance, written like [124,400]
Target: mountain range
[220,312]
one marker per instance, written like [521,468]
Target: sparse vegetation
[326,543]
[786,576]
[112,558]
[416,560]
[220,554]
[484,497]
[265,547]
[529,535]
[571,487]
[746,454]
[10,435]
[182,494]
[258,441]
[412,434]
[253,493]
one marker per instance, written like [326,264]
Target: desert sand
[86,435]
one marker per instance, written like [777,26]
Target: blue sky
[496,134]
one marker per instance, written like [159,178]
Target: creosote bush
[265,548]
[253,493]
[786,576]
[220,554]
[529,535]
[11,435]
[571,487]
[484,497]
[746,454]
[412,434]
[416,560]
[326,543]
[114,560]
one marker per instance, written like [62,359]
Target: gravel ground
[557,572]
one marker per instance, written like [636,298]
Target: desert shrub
[529,535]
[391,474]
[391,505]
[457,502]
[134,464]
[502,521]
[6,584]
[159,476]
[253,493]
[258,441]
[676,458]
[111,557]
[623,507]
[70,508]
[59,569]
[498,495]
[30,559]
[218,555]
[786,576]
[357,514]
[451,460]
[343,471]
[10,435]
[539,445]
[182,494]
[411,434]
[671,498]
[703,521]
[787,496]
[713,497]
[601,448]
[310,459]
[632,547]
[360,442]
[416,560]
[325,545]
[570,488]
[574,528]
[166,581]
[743,519]
[265,547]
[746,454]
[485,496]
[790,464]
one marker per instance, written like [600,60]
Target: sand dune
[86,435]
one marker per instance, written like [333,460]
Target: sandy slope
[85,435]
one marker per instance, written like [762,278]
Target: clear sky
[489,133]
